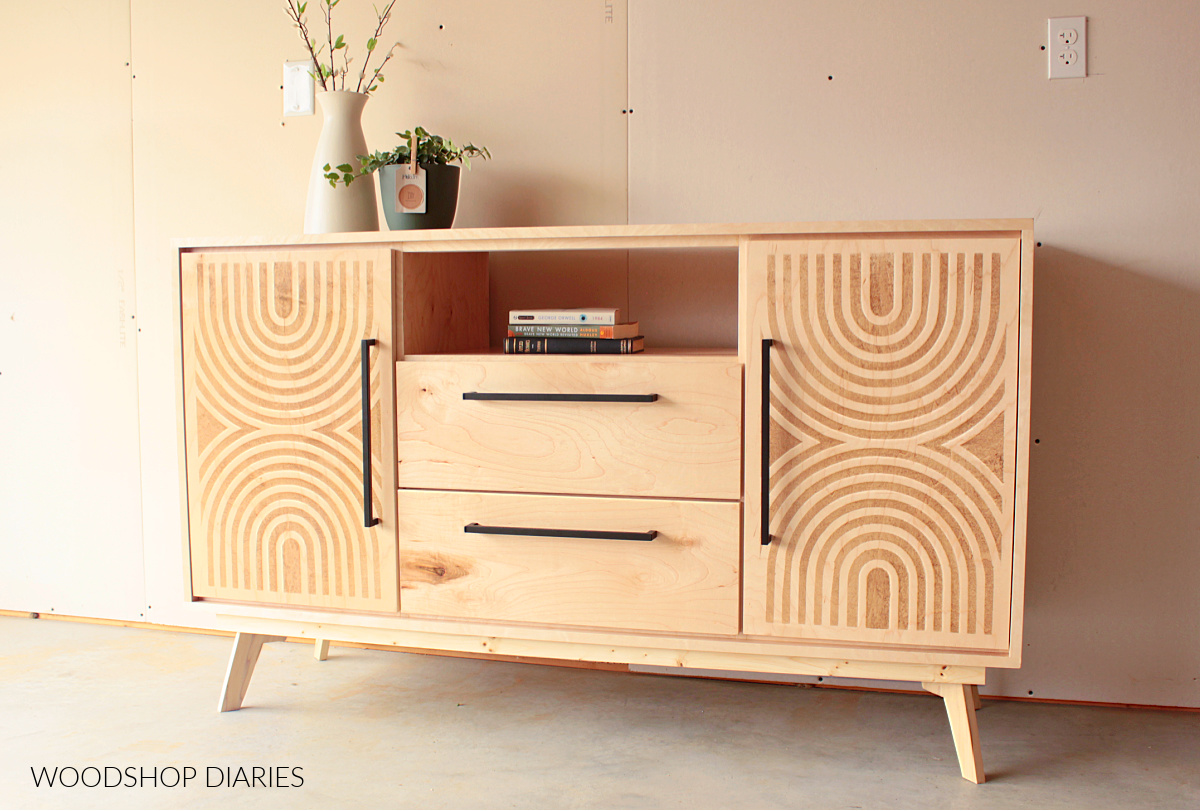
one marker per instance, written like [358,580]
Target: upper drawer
[686,442]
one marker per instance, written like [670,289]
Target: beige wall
[936,109]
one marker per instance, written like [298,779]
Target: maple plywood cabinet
[837,488]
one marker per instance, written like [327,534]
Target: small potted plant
[438,159]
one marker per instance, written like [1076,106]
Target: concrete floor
[375,729]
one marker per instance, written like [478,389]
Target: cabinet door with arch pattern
[273,367]
[889,429]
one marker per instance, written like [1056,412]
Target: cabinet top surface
[615,236]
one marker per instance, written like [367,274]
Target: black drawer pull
[540,532]
[560,398]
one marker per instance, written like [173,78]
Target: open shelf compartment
[456,303]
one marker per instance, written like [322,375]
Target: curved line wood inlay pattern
[892,428]
[272,348]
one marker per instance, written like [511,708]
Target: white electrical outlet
[298,89]
[1066,47]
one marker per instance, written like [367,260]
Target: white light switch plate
[1066,47]
[298,90]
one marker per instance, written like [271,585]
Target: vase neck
[341,103]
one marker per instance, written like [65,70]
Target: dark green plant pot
[441,198]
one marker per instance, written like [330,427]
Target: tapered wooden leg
[975,696]
[321,650]
[246,648]
[960,706]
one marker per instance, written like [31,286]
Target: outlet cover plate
[1066,47]
[298,88]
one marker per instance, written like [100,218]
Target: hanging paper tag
[410,190]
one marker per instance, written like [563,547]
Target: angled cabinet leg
[246,648]
[974,688]
[960,706]
[321,649]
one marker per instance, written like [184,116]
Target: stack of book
[571,332]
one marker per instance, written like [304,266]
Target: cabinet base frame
[956,684]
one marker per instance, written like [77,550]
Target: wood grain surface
[683,581]
[707,653]
[580,237]
[441,303]
[273,426]
[893,385]
[686,444]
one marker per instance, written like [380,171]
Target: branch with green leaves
[432,150]
[329,74]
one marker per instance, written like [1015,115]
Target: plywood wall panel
[70,511]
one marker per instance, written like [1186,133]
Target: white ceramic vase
[346,208]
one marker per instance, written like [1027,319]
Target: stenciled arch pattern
[273,407]
[892,437]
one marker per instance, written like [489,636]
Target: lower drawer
[684,580]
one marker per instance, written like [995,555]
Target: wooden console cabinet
[835,486]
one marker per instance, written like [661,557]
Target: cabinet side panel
[274,431]
[892,428]
[196,553]
[1021,507]
[443,302]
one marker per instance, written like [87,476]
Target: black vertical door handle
[368,519]
[765,430]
